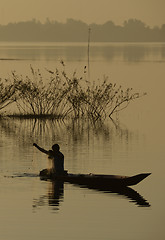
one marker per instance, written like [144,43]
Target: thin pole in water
[89,33]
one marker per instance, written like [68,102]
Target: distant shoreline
[132,30]
[71,43]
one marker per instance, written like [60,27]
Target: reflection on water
[75,134]
[76,130]
[131,52]
[53,198]
[127,192]
[87,146]
[55,195]
[108,148]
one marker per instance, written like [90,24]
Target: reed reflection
[77,139]
[73,130]
[74,133]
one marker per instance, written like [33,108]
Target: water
[132,144]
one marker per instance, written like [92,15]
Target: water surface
[133,143]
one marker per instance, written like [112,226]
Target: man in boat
[56,156]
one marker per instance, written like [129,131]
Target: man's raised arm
[41,149]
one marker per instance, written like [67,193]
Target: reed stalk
[61,96]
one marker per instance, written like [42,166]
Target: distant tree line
[132,30]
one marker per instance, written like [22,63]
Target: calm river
[133,143]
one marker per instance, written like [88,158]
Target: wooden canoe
[95,179]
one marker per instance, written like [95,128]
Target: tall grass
[59,95]
[40,97]
[7,93]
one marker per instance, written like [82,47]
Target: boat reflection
[129,193]
[55,194]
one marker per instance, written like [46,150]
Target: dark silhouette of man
[56,156]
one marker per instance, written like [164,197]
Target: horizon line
[53,21]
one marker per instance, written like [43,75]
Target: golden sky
[152,12]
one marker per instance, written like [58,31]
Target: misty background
[132,30]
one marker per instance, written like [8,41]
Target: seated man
[56,156]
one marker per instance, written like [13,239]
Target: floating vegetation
[60,96]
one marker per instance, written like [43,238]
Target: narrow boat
[95,179]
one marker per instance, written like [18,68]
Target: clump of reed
[97,101]
[7,93]
[59,96]
[40,97]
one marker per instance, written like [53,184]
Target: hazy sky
[152,12]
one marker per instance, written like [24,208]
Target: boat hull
[95,179]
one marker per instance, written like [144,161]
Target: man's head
[56,148]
